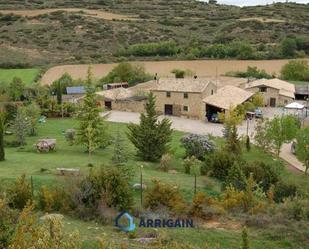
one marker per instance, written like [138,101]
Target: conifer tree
[92,129]
[150,137]
[236,177]
[119,155]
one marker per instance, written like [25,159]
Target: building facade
[183,97]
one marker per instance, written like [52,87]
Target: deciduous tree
[302,147]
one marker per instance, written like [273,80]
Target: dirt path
[86,12]
[290,158]
[163,68]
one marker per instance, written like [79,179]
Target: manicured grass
[42,166]
[27,75]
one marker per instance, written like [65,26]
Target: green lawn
[27,75]
[27,160]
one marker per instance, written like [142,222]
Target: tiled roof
[273,83]
[182,85]
[228,96]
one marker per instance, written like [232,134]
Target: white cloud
[256,2]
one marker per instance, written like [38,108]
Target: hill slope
[175,29]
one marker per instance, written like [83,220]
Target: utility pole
[141,182]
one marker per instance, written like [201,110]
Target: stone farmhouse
[275,92]
[193,98]
[183,97]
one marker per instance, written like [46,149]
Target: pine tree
[92,129]
[236,177]
[21,126]
[2,152]
[119,156]
[245,239]
[150,137]
[232,142]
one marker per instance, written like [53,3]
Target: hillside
[68,32]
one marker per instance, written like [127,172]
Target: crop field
[84,12]
[26,75]
[164,68]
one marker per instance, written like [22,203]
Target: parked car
[258,113]
[214,118]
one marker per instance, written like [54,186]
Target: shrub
[218,164]
[108,184]
[189,163]
[295,70]
[236,177]
[197,145]
[284,190]
[70,136]
[52,200]
[264,174]
[126,72]
[19,193]
[164,194]
[165,162]
[7,223]
[232,199]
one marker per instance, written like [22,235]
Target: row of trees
[288,48]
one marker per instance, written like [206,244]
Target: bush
[236,177]
[52,200]
[164,194]
[7,223]
[189,163]
[19,193]
[126,72]
[264,174]
[284,190]
[70,136]
[218,164]
[109,184]
[165,162]
[197,145]
[297,70]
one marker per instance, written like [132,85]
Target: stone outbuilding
[275,92]
[225,98]
[130,99]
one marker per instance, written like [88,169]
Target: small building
[115,85]
[302,92]
[183,97]
[275,92]
[225,98]
[74,93]
[132,99]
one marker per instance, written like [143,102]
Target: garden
[238,194]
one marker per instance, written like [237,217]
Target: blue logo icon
[125,228]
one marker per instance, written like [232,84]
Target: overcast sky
[256,2]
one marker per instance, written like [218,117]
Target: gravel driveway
[200,127]
[180,124]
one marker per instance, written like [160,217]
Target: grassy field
[27,75]
[42,167]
